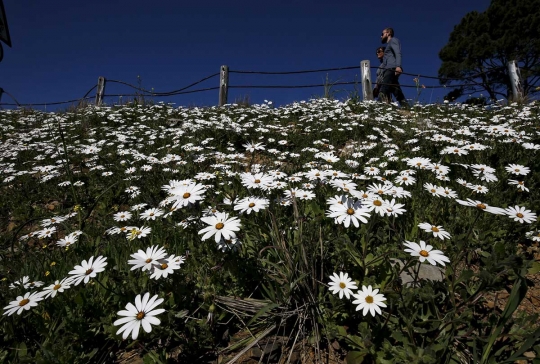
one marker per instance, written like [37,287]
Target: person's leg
[398,93]
[385,93]
[400,97]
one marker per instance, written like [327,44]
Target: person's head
[380,53]
[386,35]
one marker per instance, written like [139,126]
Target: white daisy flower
[122,216]
[29,300]
[517,169]
[166,266]
[369,300]
[437,231]
[521,214]
[58,286]
[426,252]
[88,270]
[220,225]
[251,203]
[146,259]
[142,313]
[348,212]
[151,214]
[342,284]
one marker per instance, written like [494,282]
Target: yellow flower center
[186,195]
[89,271]
[140,315]
[377,203]
[251,204]
[369,299]
[57,286]
[257,181]
[342,285]
[24,302]
[148,260]
[481,206]
[434,229]
[456,150]
[220,225]
[350,211]
[424,253]
[520,215]
[164,266]
[516,170]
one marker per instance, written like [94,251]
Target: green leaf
[465,276]
[354,357]
[262,311]
[22,350]
[531,340]
[516,296]
[535,268]
[78,299]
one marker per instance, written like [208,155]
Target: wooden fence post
[100,90]
[515,81]
[367,89]
[223,85]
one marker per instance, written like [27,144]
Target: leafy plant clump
[322,231]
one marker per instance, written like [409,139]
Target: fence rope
[296,72]
[182,91]
[178,93]
[169,93]
[7,93]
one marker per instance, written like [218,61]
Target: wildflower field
[319,232]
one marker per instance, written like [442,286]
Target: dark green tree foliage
[482,43]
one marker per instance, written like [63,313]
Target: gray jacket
[392,54]
[380,75]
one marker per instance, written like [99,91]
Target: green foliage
[273,289]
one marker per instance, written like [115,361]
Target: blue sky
[60,47]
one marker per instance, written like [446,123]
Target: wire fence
[141,92]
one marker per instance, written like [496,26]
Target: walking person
[392,69]
[380,72]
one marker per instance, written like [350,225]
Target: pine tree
[481,45]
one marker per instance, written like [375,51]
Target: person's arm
[396,48]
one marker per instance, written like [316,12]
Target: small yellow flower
[47,273]
[44,246]
[77,208]
[4,279]
[53,264]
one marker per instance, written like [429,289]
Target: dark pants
[390,86]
